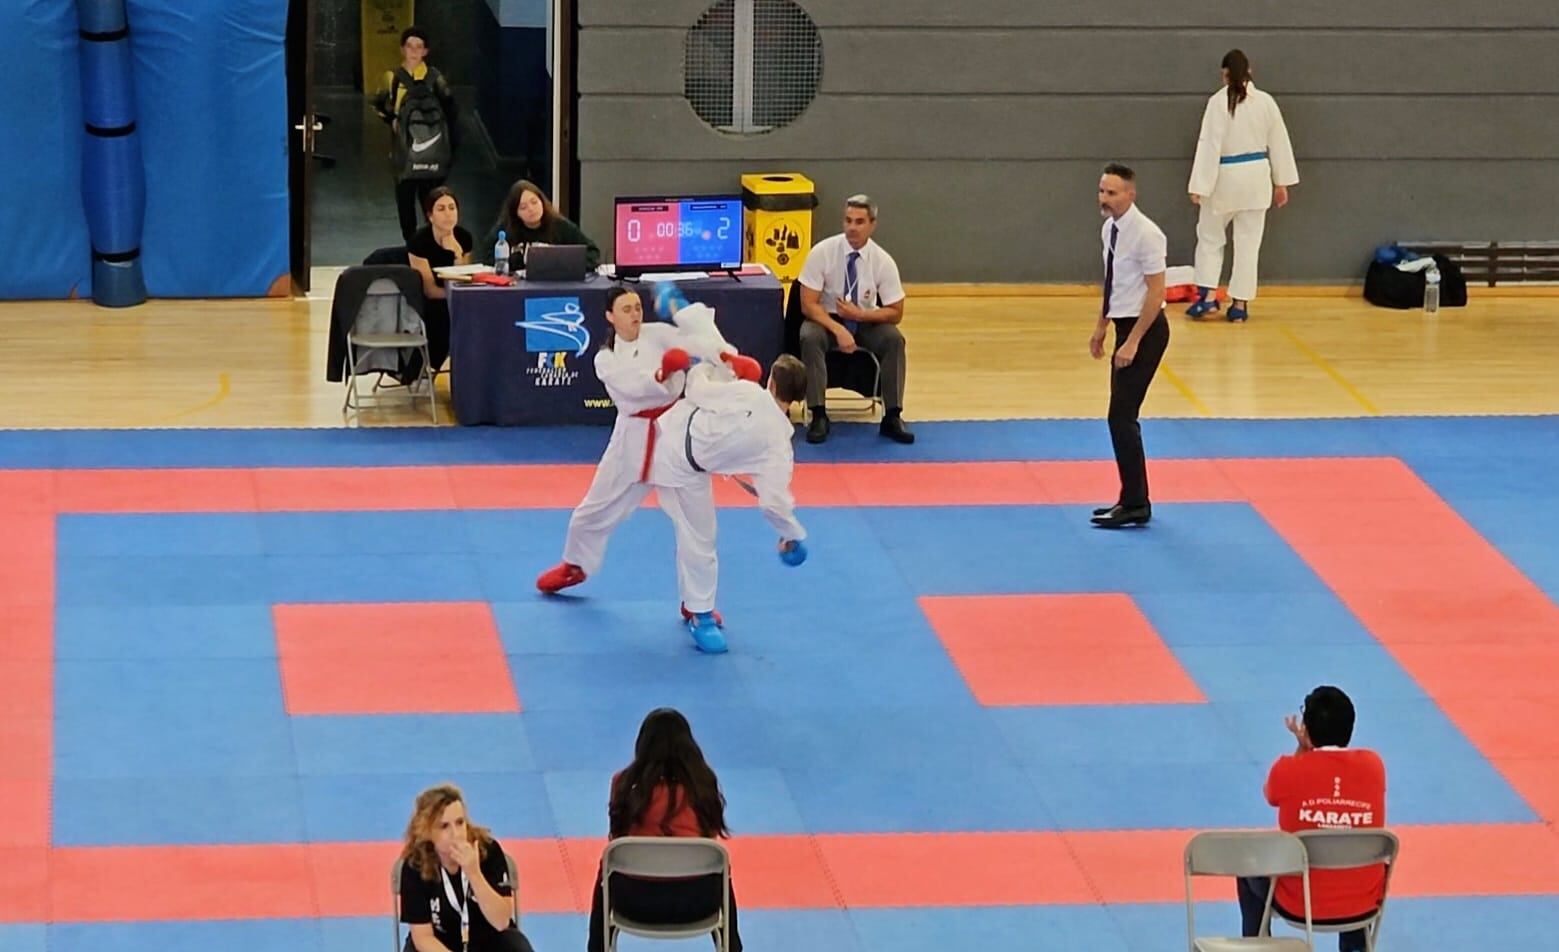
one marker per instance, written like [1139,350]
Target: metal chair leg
[427,375]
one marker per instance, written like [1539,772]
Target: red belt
[649,443]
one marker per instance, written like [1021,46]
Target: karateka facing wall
[1244,164]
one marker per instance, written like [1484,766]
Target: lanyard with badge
[463,904]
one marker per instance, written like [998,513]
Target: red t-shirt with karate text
[1330,788]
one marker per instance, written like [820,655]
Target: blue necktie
[852,287]
[1109,268]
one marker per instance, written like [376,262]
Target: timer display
[667,234]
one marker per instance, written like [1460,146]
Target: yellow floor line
[224,388]
[1185,390]
[1330,371]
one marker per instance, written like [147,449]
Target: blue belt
[1242,158]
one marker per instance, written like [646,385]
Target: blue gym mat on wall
[211,95]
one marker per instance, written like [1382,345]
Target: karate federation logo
[554,330]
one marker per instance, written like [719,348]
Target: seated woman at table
[441,243]
[528,218]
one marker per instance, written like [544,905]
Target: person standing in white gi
[734,428]
[1244,165]
[629,364]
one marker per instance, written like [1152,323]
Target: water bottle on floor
[1432,290]
[501,254]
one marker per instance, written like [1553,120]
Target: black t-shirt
[425,246]
[429,902]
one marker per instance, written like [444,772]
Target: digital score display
[669,234]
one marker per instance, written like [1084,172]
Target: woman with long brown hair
[455,888]
[529,218]
[668,790]
[1244,165]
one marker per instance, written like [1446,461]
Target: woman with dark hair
[441,243]
[455,891]
[1244,165]
[668,790]
[528,218]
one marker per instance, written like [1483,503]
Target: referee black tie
[1109,268]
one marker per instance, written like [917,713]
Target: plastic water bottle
[1432,290]
[501,254]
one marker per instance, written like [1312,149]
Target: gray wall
[980,125]
[338,31]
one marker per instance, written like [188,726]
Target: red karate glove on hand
[672,361]
[744,367]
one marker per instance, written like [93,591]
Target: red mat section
[771,872]
[1035,650]
[1465,623]
[954,869]
[413,658]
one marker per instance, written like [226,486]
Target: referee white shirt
[877,276]
[1140,251]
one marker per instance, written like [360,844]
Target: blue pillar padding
[113,178]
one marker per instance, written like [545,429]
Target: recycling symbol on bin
[783,240]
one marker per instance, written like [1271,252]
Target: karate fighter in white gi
[629,365]
[734,427]
[1244,164]
[644,393]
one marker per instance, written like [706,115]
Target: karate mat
[226,669]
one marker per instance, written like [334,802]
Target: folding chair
[859,373]
[384,322]
[1352,849]
[666,857]
[1271,854]
[395,896]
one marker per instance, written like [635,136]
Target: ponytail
[1238,66]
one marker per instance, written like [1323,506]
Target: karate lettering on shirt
[433,909]
[1336,811]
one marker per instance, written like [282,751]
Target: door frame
[303,127]
[565,106]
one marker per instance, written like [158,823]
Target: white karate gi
[1240,192]
[736,428]
[628,371]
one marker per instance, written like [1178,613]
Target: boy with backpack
[416,102]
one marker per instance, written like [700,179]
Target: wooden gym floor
[973,355]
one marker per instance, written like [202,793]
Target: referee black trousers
[1128,388]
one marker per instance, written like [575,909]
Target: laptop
[555,263]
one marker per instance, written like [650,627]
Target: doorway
[343,188]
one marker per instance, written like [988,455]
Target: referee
[1134,252]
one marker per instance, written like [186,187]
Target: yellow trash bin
[383,21]
[777,221]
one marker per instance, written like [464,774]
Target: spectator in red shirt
[668,790]
[1323,785]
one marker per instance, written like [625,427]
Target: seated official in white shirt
[851,296]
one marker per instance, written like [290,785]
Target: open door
[305,129]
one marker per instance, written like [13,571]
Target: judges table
[526,354]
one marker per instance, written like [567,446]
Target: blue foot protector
[1206,303]
[706,633]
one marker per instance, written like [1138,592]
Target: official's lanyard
[463,905]
[852,289]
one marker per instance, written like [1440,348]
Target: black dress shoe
[894,429]
[817,430]
[1105,510]
[1119,516]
